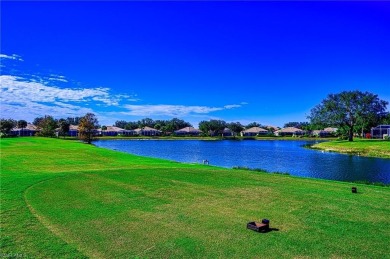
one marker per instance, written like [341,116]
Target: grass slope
[363,147]
[67,199]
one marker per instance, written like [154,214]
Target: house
[331,130]
[29,130]
[324,133]
[115,131]
[147,131]
[289,131]
[188,131]
[227,133]
[380,131]
[73,130]
[254,131]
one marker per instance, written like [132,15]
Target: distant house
[188,131]
[73,130]
[227,132]
[29,130]
[254,131]
[147,131]
[318,133]
[324,133]
[380,131]
[289,131]
[331,130]
[115,131]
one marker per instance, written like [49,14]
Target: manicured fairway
[67,199]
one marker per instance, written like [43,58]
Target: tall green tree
[146,122]
[236,127]
[217,126]
[64,127]
[87,126]
[37,120]
[22,124]
[6,126]
[47,126]
[347,110]
[204,126]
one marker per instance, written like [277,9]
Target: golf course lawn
[69,199]
[363,147]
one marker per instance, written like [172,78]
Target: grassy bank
[68,199]
[362,147]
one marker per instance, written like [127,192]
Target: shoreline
[356,148]
[214,138]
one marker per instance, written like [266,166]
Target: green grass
[68,199]
[362,147]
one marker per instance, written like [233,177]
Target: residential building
[190,131]
[380,131]
[254,131]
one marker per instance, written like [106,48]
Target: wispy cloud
[13,57]
[232,106]
[23,98]
[172,110]
[17,89]
[58,78]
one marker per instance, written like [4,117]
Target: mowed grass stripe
[129,206]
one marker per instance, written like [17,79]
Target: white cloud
[58,79]
[27,99]
[13,57]
[16,89]
[232,106]
[172,110]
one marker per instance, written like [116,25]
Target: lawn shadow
[270,230]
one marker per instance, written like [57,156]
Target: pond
[272,155]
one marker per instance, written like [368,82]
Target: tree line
[352,112]
[48,126]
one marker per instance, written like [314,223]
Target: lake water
[272,155]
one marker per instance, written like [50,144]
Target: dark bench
[259,227]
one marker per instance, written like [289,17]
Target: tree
[64,127]
[87,125]
[252,124]
[236,127]
[385,119]
[131,125]
[147,122]
[73,120]
[22,124]
[6,125]
[204,126]
[37,120]
[217,126]
[300,125]
[176,124]
[120,124]
[47,126]
[347,110]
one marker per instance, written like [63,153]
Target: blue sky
[268,62]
